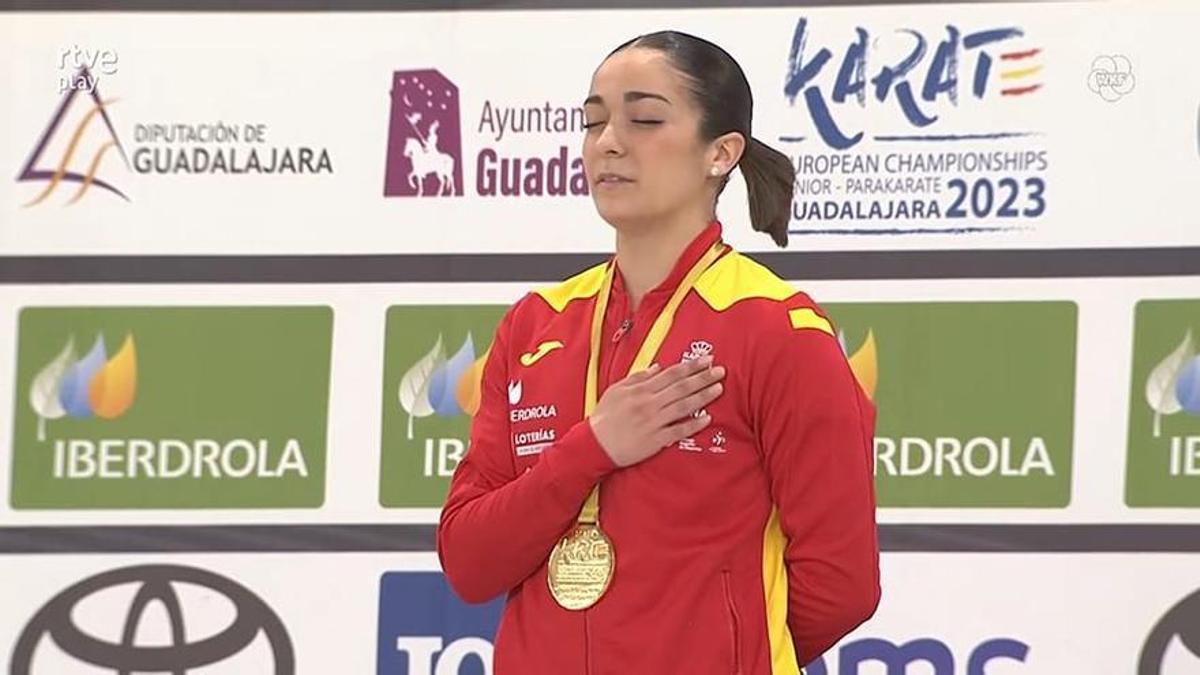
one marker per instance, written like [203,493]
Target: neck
[646,255]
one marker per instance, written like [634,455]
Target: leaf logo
[470,385]
[93,386]
[414,386]
[864,363]
[446,387]
[1174,384]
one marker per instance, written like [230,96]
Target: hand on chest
[546,392]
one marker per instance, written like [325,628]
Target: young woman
[670,469]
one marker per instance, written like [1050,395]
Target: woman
[713,510]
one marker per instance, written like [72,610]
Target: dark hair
[719,88]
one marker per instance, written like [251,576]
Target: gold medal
[581,567]
[582,564]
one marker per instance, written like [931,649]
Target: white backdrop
[1104,94]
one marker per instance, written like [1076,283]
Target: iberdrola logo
[1174,384]
[864,363]
[444,387]
[92,386]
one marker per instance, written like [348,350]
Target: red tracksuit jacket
[750,548]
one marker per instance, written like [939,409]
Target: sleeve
[498,528]
[816,429]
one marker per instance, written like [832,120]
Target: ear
[724,153]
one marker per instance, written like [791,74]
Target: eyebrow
[630,97]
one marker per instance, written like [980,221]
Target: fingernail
[719,371]
[706,361]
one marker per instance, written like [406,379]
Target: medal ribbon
[590,514]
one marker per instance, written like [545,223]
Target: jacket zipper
[734,621]
[619,335]
[624,328]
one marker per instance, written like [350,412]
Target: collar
[698,246]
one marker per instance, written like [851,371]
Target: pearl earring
[715,171]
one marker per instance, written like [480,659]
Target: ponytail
[770,185]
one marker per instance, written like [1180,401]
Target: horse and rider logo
[424,136]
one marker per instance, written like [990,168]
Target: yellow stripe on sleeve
[805,317]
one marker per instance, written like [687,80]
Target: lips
[609,178]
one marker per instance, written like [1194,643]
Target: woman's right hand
[648,411]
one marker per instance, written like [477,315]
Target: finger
[679,372]
[681,430]
[688,386]
[650,371]
[685,407]
[642,375]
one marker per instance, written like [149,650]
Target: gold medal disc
[581,567]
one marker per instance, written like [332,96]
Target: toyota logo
[1182,622]
[155,582]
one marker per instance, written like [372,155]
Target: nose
[609,142]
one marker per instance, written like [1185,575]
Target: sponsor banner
[987,393]
[425,629]
[947,614]
[170,407]
[433,366]
[224,615]
[944,439]
[1164,406]
[941,614]
[960,423]
[908,127]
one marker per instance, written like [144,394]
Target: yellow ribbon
[590,514]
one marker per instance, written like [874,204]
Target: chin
[621,214]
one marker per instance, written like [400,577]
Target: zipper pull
[625,326]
